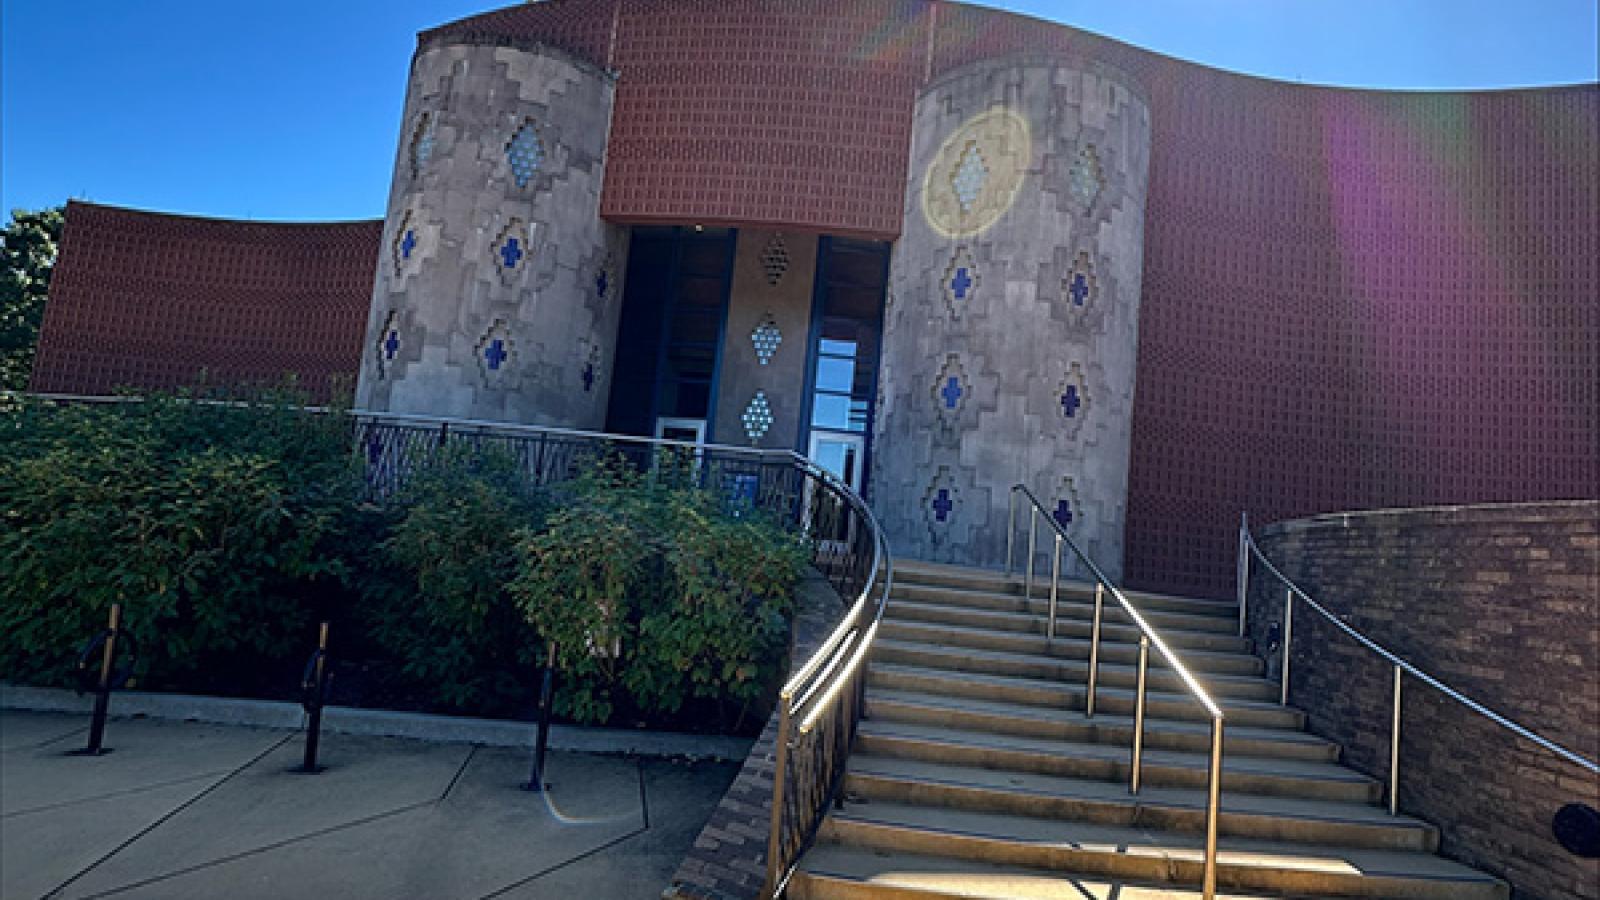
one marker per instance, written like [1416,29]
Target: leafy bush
[653,593]
[205,523]
[436,598]
[225,531]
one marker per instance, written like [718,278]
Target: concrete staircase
[977,775]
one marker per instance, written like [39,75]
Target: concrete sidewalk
[188,810]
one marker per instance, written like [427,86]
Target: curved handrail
[1248,541]
[824,695]
[1189,680]
[1148,636]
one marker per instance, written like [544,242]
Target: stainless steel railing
[1249,550]
[819,706]
[1147,638]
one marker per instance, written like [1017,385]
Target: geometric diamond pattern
[969,176]
[1086,179]
[775,259]
[766,339]
[525,152]
[757,418]
[422,143]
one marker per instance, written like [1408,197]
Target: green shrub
[436,599]
[207,528]
[653,593]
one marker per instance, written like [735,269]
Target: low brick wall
[1500,602]
[729,859]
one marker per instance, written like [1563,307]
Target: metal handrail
[1147,637]
[1248,549]
[829,682]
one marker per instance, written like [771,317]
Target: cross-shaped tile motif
[1070,401]
[1063,513]
[391,344]
[942,505]
[951,392]
[961,283]
[1079,289]
[511,253]
[408,244]
[495,354]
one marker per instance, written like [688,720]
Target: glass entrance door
[840,454]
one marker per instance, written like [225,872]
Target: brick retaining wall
[728,861]
[1499,602]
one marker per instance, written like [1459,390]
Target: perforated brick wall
[1500,602]
[1350,299]
[152,301]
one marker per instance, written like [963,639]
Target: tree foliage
[28,245]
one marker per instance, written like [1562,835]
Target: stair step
[1029,665]
[1066,626]
[1113,700]
[1104,762]
[839,872]
[885,779]
[1176,614]
[1001,718]
[1155,856]
[910,571]
[1063,647]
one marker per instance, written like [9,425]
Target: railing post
[1288,638]
[536,782]
[1055,589]
[102,694]
[1242,569]
[1394,749]
[779,773]
[1033,535]
[1094,647]
[1208,885]
[1138,716]
[1011,528]
[314,695]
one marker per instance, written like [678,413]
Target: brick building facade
[1337,299]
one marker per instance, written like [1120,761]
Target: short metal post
[1011,528]
[1055,589]
[102,693]
[1394,749]
[1094,647]
[1208,885]
[1242,570]
[314,690]
[779,777]
[1033,536]
[547,691]
[1288,639]
[1138,716]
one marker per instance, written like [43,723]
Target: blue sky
[290,109]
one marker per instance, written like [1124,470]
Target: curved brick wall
[1499,602]
[151,300]
[1350,298]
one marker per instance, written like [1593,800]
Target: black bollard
[314,690]
[547,692]
[102,691]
